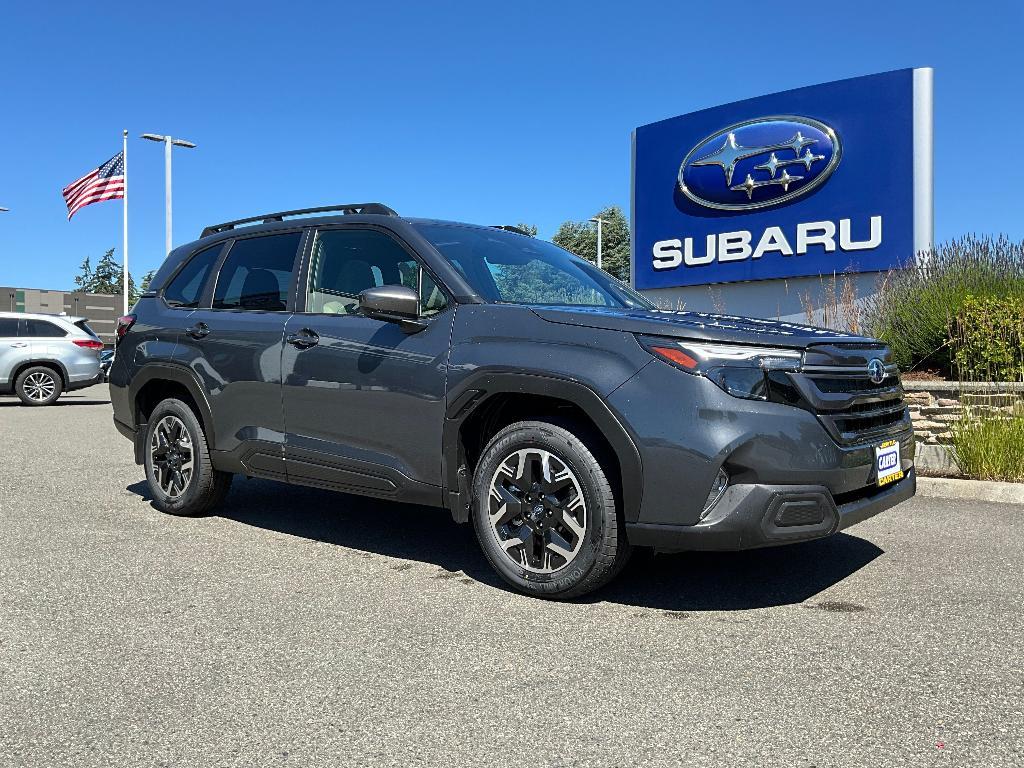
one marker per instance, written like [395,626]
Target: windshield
[517,269]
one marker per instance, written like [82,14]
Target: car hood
[698,326]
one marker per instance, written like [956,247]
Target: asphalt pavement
[301,627]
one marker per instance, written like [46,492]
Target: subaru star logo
[757,163]
[876,371]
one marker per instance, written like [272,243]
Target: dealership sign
[830,178]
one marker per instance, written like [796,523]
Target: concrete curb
[974,490]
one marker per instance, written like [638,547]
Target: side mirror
[393,304]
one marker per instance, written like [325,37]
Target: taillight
[123,324]
[89,344]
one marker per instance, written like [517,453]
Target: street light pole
[599,221]
[167,194]
[168,142]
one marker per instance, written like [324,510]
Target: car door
[363,399]
[232,342]
[13,351]
[44,338]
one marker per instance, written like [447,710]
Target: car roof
[43,316]
[317,221]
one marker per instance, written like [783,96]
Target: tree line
[107,277]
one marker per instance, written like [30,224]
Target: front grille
[853,408]
[869,422]
[850,386]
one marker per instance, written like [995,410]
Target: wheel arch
[55,365]
[158,381]
[488,401]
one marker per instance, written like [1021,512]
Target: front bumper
[750,516]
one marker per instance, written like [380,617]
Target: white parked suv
[42,356]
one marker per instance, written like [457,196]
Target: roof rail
[510,228]
[266,218]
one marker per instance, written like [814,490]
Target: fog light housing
[717,491]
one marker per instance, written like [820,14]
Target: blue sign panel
[806,182]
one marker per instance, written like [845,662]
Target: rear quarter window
[186,289]
[82,325]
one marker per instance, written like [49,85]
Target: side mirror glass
[393,304]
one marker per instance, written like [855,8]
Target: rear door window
[186,289]
[8,327]
[43,329]
[257,273]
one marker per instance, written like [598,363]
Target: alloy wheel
[39,386]
[536,510]
[170,450]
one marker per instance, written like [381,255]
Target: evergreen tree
[146,280]
[580,237]
[83,281]
[107,278]
[107,275]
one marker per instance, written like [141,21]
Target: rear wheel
[545,514]
[181,477]
[38,385]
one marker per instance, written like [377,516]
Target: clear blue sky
[489,113]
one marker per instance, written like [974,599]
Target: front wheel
[545,514]
[181,477]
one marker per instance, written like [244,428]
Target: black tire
[205,487]
[602,548]
[39,385]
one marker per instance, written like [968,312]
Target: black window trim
[206,302]
[307,255]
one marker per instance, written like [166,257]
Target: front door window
[347,261]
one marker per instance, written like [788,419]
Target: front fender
[473,393]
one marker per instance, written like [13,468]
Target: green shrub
[913,308]
[990,446]
[987,339]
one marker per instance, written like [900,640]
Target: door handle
[20,344]
[198,331]
[304,339]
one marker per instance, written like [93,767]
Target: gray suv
[42,356]
[495,375]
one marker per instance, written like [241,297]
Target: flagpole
[125,278]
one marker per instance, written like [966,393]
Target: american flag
[104,183]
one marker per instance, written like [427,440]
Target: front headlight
[739,370]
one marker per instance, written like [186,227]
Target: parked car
[42,356]
[496,375]
[106,358]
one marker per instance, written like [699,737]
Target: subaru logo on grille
[876,371]
[757,163]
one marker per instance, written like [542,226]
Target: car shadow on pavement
[63,400]
[690,581]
